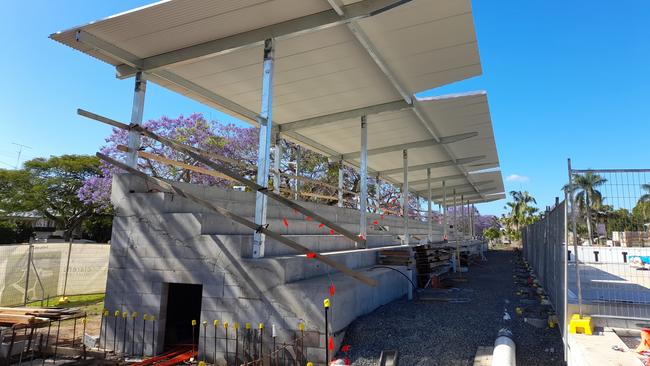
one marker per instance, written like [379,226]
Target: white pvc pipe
[504,349]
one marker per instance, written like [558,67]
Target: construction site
[264,273]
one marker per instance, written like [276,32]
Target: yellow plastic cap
[261,326]
[248,325]
[301,327]
[225,325]
[134,314]
[125,314]
[145,316]
[326,303]
[215,322]
[116,313]
[235,325]
[193,322]
[205,323]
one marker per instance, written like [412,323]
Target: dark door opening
[183,306]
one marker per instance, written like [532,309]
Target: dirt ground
[448,328]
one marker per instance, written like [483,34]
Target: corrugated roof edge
[452,96]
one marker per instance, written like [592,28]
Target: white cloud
[517,178]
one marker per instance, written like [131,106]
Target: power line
[20,151]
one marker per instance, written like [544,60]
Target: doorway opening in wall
[183,306]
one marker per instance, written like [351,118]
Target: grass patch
[93,303]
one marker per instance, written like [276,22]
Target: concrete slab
[596,350]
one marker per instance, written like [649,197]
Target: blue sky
[564,79]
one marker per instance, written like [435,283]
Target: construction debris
[432,262]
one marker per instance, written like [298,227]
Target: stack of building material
[432,261]
[28,315]
[396,256]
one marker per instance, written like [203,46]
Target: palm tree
[520,207]
[646,196]
[587,196]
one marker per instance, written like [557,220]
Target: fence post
[575,237]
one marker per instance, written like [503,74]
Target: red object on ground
[331,231]
[311,255]
[285,222]
[645,341]
[375,222]
[321,225]
[345,348]
[330,345]
[165,356]
[183,357]
[308,218]
[332,290]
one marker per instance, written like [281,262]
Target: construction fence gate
[591,252]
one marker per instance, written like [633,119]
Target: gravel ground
[448,333]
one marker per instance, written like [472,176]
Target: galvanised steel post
[405,196]
[263,158]
[429,220]
[136,119]
[340,186]
[445,225]
[363,168]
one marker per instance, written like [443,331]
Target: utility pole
[20,152]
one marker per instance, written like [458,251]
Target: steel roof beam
[438,179]
[341,116]
[467,185]
[414,145]
[467,193]
[439,164]
[256,37]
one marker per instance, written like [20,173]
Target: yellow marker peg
[145,316]
[301,327]
[326,303]
[201,363]
[205,323]
[83,320]
[215,323]
[134,314]
[248,325]
[310,364]
[261,326]
[225,325]
[116,313]
[235,325]
[153,318]
[193,322]
[105,312]
[125,314]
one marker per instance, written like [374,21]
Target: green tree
[587,196]
[50,186]
[522,213]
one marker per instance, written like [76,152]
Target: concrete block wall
[160,238]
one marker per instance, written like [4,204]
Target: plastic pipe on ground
[504,349]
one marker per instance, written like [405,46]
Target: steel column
[263,157]
[137,112]
[429,218]
[296,184]
[378,191]
[340,191]
[455,226]
[277,159]
[462,214]
[444,211]
[363,199]
[405,196]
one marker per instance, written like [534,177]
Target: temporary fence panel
[46,274]
[612,228]
[544,249]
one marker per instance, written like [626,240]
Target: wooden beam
[166,186]
[222,169]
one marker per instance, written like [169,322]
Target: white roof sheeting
[379,52]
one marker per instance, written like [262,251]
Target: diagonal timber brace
[224,170]
[166,186]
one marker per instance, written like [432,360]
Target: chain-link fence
[611,238]
[544,249]
[44,271]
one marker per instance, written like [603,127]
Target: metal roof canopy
[335,61]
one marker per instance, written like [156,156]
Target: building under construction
[338,77]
